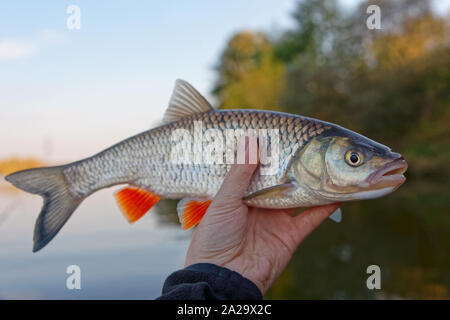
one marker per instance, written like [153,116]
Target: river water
[116,259]
[406,234]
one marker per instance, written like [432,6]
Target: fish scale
[144,160]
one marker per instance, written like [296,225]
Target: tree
[249,74]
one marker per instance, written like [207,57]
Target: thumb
[235,184]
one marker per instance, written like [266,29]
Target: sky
[67,94]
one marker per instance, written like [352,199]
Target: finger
[290,212]
[310,219]
[236,183]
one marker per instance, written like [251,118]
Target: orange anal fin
[135,202]
[191,211]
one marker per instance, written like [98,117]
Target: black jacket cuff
[206,281]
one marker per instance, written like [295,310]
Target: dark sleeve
[205,281]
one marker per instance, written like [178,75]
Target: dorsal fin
[185,101]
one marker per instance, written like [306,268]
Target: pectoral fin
[281,190]
[336,216]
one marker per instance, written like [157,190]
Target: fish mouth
[389,175]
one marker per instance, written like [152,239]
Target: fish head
[349,167]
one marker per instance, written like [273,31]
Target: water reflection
[117,260]
[406,234]
[407,238]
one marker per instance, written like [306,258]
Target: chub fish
[317,163]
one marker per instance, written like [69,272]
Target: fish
[303,162]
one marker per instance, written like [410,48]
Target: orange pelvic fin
[191,211]
[135,202]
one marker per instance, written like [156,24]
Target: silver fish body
[145,159]
[316,163]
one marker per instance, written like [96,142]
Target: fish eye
[354,158]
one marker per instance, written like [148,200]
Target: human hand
[257,243]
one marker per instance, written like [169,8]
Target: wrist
[248,273]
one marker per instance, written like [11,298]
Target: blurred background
[66,94]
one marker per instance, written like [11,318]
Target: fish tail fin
[59,204]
